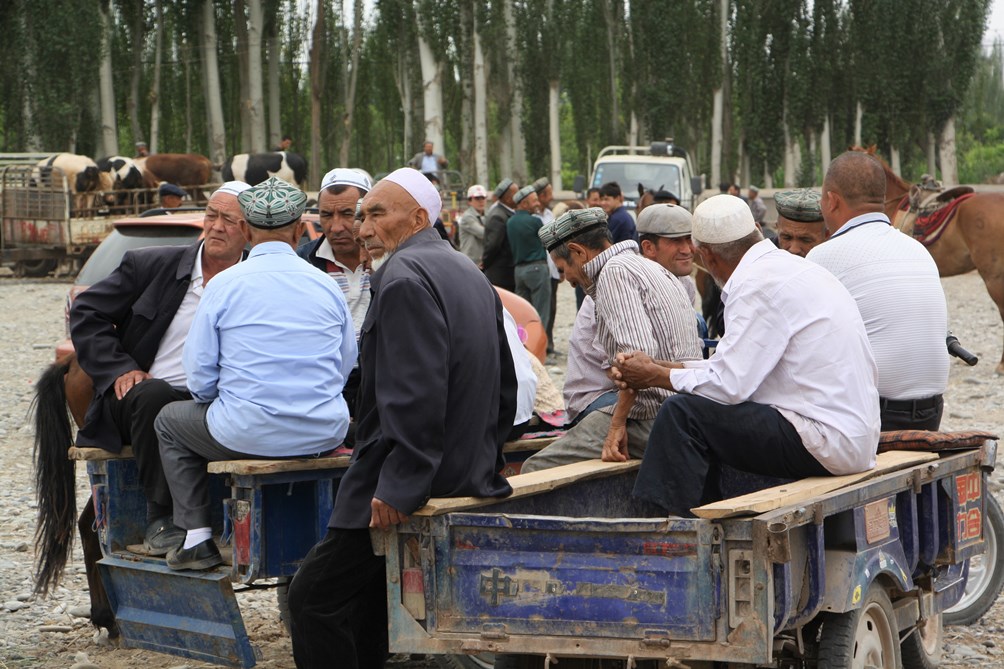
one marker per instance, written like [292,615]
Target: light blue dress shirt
[271,346]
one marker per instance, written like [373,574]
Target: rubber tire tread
[282,599]
[836,643]
[915,657]
[976,610]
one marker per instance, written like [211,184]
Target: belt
[909,405]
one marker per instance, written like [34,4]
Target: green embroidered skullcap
[522,194]
[503,186]
[570,224]
[801,204]
[272,204]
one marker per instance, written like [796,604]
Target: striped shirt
[640,306]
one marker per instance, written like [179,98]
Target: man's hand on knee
[124,383]
[615,446]
[384,515]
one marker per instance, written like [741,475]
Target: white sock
[197,536]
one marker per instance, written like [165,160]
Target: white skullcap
[345,176]
[420,188]
[722,219]
[234,188]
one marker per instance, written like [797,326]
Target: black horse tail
[55,480]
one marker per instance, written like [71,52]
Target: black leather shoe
[200,556]
[161,536]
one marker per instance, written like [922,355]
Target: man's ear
[647,248]
[245,231]
[578,250]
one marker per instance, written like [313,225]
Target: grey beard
[375,263]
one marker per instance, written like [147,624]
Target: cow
[83,177]
[127,176]
[181,169]
[253,168]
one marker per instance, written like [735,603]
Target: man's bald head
[859,179]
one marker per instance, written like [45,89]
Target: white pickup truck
[659,166]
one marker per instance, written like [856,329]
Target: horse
[973,240]
[64,390]
[645,198]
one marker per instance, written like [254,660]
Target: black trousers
[134,415]
[693,436]
[338,604]
[922,414]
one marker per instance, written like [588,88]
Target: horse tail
[55,480]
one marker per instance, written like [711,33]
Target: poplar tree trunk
[272,53]
[243,68]
[402,78]
[894,163]
[554,131]
[932,164]
[317,48]
[858,115]
[155,87]
[256,89]
[109,127]
[432,95]
[718,103]
[350,95]
[946,149]
[132,101]
[516,142]
[480,111]
[824,144]
[214,104]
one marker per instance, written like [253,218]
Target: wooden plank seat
[245,467]
[252,467]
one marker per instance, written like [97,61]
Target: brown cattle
[180,169]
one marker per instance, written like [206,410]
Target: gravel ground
[53,632]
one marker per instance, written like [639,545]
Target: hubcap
[873,640]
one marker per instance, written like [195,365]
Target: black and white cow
[130,183]
[83,178]
[253,168]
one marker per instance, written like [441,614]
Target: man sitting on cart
[270,348]
[791,389]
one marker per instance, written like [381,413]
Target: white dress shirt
[167,364]
[526,378]
[896,284]
[355,285]
[794,340]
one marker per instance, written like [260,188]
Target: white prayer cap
[345,176]
[234,188]
[722,219]
[420,188]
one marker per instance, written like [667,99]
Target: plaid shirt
[640,306]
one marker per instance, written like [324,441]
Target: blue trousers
[693,437]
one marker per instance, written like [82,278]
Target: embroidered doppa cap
[234,188]
[801,204]
[420,189]
[477,190]
[721,219]
[503,186]
[665,220]
[522,194]
[540,184]
[570,224]
[345,176]
[272,204]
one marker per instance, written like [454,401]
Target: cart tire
[986,572]
[36,268]
[864,637]
[922,649]
[282,599]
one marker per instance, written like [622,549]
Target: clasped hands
[635,370]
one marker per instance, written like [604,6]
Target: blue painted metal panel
[190,614]
[591,577]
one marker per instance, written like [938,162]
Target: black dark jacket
[116,326]
[438,390]
[497,257]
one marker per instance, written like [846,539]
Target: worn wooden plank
[85,454]
[524,485]
[804,489]
[251,467]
